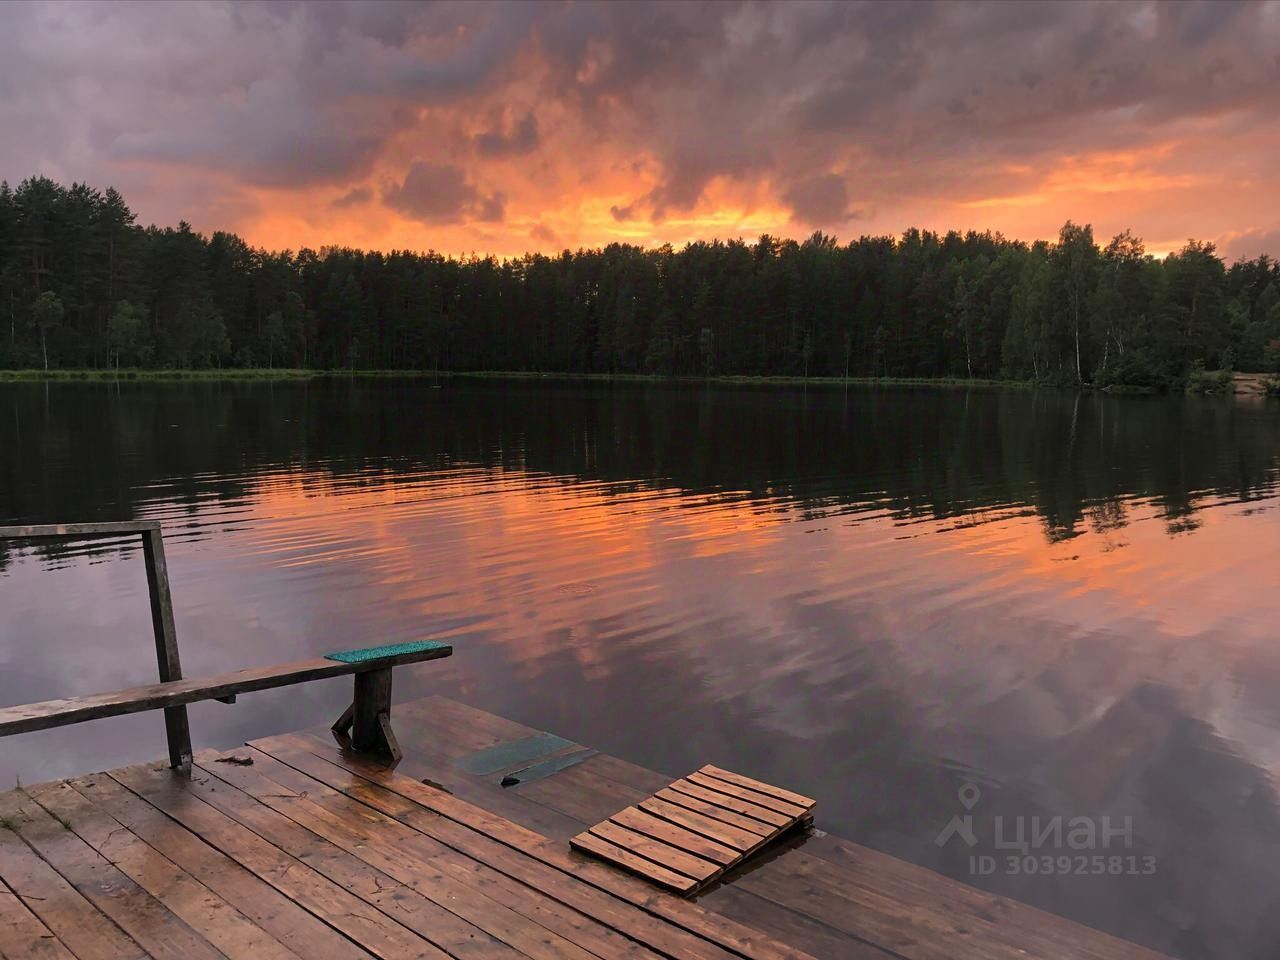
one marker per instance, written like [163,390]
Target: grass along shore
[1208,383]
[251,374]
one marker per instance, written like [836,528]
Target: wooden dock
[310,851]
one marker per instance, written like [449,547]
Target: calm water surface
[1065,606]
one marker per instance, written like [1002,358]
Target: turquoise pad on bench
[379,653]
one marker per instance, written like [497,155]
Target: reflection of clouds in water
[713,580]
[67,626]
[871,636]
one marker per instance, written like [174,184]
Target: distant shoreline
[1243,384]
[254,374]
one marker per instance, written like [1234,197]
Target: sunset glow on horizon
[508,128]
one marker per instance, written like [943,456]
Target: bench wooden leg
[342,726]
[369,716]
[389,741]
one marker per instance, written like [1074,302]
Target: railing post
[175,718]
[177,729]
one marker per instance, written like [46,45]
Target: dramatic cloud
[355,197]
[440,193]
[819,200]
[544,237]
[521,138]
[1246,246]
[470,126]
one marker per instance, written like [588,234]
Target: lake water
[1063,606]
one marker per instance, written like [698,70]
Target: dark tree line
[83,286]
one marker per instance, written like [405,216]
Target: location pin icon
[970,795]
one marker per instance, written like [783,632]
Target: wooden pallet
[694,830]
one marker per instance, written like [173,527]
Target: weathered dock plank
[442,739]
[521,854]
[865,897]
[432,758]
[85,930]
[509,912]
[670,925]
[23,935]
[287,921]
[159,932]
[303,849]
[218,922]
[382,932]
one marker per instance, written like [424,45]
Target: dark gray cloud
[271,94]
[492,209]
[544,235]
[819,201]
[906,99]
[1246,246]
[355,197]
[510,139]
[440,193]
[738,90]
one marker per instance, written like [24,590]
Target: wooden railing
[368,718]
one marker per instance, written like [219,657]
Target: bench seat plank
[57,713]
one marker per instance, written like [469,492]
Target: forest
[83,286]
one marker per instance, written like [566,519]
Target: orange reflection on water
[549,562]
[954,615]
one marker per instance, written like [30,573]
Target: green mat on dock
[379,653]
[512,753]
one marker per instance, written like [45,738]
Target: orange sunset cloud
[506,128]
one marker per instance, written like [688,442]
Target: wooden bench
[366,724]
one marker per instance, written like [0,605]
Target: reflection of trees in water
[93,451]
[97,452]
[56,554]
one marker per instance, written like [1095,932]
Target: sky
[511,127]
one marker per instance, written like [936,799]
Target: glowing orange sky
[1146,190]
[504,128]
